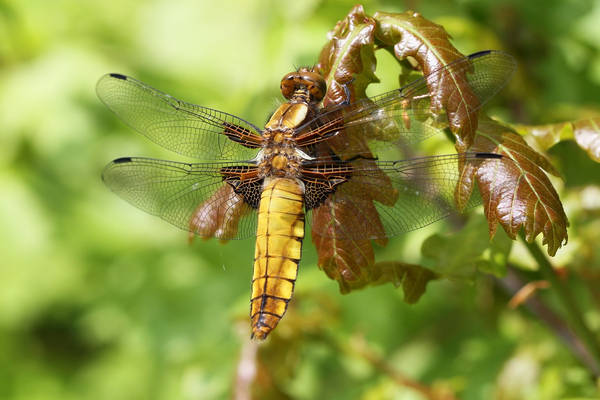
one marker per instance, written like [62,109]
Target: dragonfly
[307,163]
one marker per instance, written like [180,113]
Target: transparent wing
[192,197]
[182,127]
[384,199]
[421,108]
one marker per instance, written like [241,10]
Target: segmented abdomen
[278,248]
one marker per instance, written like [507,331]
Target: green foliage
[455,260]
[100,301]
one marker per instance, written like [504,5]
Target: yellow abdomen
[278,248]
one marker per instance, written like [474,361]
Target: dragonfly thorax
[279,156]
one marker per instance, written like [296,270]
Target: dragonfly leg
[346,88]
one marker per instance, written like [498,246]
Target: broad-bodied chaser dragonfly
[265,182]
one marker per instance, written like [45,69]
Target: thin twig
[358,347]
[512,282]
[568,301]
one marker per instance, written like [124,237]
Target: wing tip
[101,85]
[120,160]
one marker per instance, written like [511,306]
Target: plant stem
[512,283]
[566,297]
[358,347]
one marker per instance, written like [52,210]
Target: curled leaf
[515,190]
[411,35]
[348,61]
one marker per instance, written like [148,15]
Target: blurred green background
[101,301]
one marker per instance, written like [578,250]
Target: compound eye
[289,84]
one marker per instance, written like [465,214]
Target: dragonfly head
[305,80]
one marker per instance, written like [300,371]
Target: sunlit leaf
[348,60]
[346,261]
[586,133]
[411,35]
[515,190]
[587,136]
[348,63]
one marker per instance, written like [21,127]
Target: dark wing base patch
[321,181]
[245,181]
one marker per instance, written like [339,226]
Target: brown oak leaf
[515,190]
[347,61]
[411,35]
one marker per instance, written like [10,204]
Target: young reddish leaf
[411,35]
[344,259]
[515,190]
[586,133]
[348,61]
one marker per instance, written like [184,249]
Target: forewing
[384,199]
[185,128]
[420,109]
[192,197]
